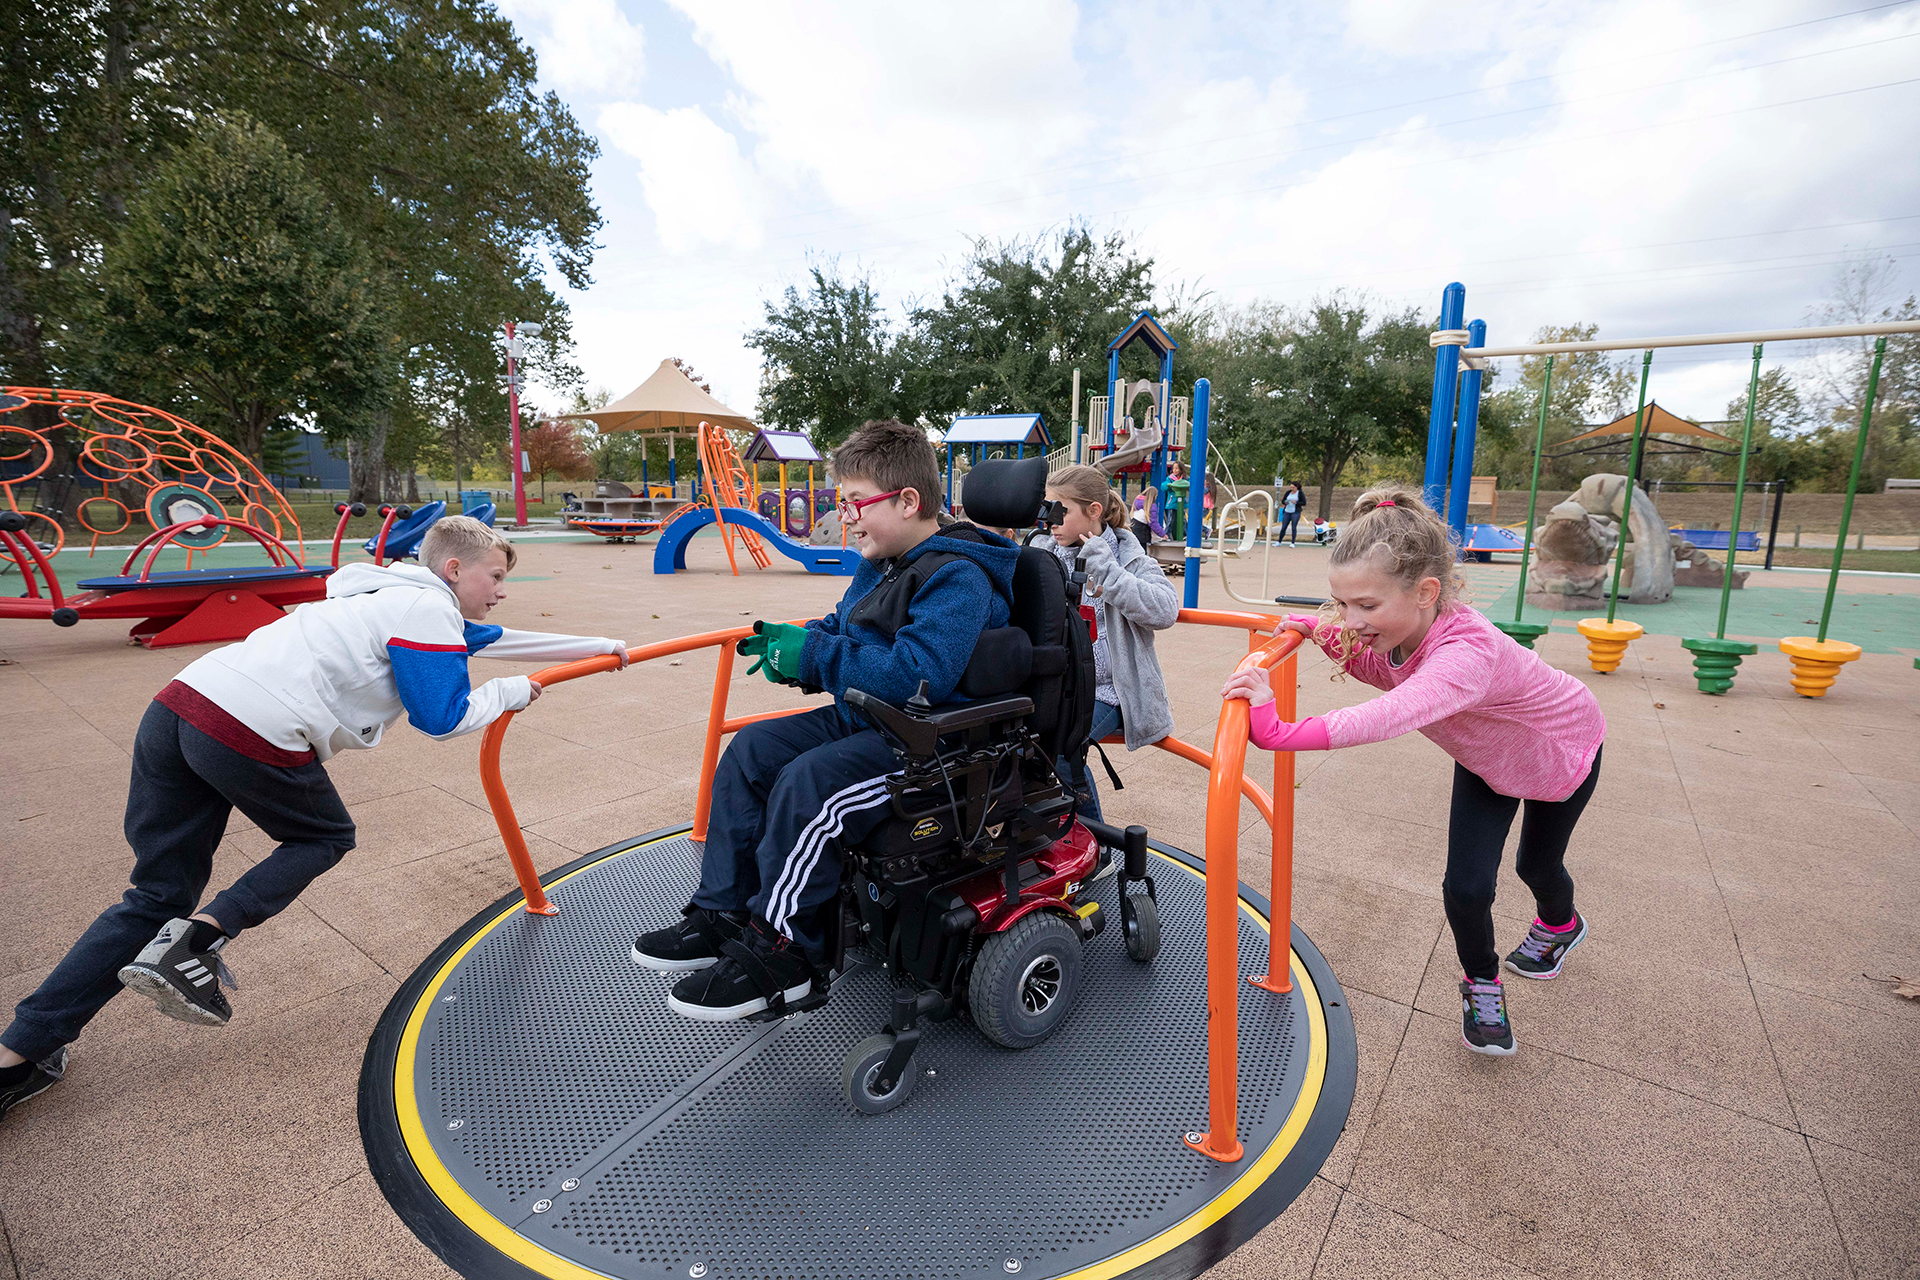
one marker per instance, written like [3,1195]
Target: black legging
[1476,834]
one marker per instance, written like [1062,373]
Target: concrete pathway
[1720,1084]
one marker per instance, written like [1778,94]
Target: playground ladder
[726,477]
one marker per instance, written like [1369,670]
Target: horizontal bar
[1458,338]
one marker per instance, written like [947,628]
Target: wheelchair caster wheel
[860,1077]
[1140,924]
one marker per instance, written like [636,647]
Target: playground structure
[1815,660]
[794,510]
[636,1143]
[154,466]
[1005,435]
[727,488]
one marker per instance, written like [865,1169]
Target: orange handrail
[1226,783]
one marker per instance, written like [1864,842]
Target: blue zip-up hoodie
[942,624]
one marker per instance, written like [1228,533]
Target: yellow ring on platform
[533,1257]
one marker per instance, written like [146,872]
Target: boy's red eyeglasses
[853,510]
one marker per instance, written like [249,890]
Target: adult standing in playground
[1290,514]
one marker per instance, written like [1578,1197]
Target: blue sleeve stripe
[433,685]
[479,635]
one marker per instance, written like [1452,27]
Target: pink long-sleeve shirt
[1529,730]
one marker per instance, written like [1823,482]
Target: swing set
[1815,660]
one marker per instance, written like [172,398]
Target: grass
[1880,560]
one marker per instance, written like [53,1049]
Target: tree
[235,295]
[1589,387]
[1022,315]
[1313,389]
[830,361]
[555,448]
[421,121]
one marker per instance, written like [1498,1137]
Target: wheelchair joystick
[920,704]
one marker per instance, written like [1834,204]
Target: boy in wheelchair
[790,792]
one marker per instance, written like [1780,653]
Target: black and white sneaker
[1484,1024]
[42,1076]
[183,983]
[1545,950]
[694,943]
[761,970]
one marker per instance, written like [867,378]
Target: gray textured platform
[548,1056]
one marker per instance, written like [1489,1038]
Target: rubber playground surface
[1721,1083]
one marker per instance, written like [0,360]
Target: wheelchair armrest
[919,734]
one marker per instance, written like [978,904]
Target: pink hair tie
[1386,502]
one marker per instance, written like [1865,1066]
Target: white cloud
[702,193]
[581,44]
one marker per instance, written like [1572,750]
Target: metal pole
[513,417]
[1446,369]
[1773,531]
[1533,494]
[1739,492]
[1202,396]
[1463,440]
[1074,421]
[1633,478]
[1853,483]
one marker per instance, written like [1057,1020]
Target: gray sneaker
[1545,950]
[1484,1025]
[46,1073]
[183,983]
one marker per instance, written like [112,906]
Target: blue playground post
[949,480]
[1463,439]
[1446,370]
[1202,394]
[673,471]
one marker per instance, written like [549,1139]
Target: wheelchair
[970,889]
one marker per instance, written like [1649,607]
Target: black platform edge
[455,1244]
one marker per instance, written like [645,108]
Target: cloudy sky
[1656,168]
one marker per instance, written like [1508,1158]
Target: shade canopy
[999,428]
[1658,423]
[781,446]
[666,401]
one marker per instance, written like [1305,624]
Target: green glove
[777,647]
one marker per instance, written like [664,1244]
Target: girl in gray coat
[1127,598]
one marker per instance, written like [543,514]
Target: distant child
[1128,598]
[249,726]
[1516,728]
[790,792]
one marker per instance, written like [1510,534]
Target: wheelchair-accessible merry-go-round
[1017,1068]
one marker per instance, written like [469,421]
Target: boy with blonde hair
[249,726]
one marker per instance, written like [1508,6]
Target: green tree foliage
[1022,316]
[830,361]
[234,294]
[419,118]
[1589,388]
[1309,390]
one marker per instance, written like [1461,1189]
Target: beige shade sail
[667,401]
[1658,423]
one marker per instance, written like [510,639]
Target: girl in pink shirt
[1517,729]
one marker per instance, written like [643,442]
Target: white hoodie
[387,640]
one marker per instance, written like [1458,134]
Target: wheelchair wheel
[1025,981]
[860,1075]
[1140,924]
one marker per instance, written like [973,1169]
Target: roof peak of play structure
[1148,330]
[999,428]
[667,401]
[781,446]
[1659,422]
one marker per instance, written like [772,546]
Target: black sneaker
[184,983]
[762,970]
[1483,1017]
[45,1074]
[1545,950]
[694,943]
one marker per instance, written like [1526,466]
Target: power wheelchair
[970,889]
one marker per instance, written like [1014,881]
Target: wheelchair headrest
[1005,493]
